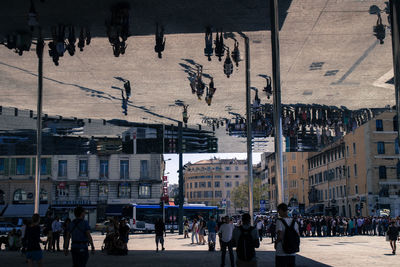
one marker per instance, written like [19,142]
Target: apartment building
[295,182]
[93,181]
[359,174]
[212,181]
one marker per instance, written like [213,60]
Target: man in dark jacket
[160,230]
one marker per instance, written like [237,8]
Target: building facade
[93,181]
[295,182]
[212,181]
[357,175]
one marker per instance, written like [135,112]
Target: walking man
[160,231]
[212,232]
[226,231]
[246,239]
[56,227]
[79,233]
[288,241]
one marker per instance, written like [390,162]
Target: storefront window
[62,190]
[103,190]
[43,195]
[83,189]
[144,191]
[20,195]
[124,190]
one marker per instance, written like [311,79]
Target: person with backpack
[288,239]
[79,233]
[246,239]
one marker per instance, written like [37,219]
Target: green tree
[240,195]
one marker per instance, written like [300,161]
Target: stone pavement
[333,251]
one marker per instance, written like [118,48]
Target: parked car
[102,227]
[6,227]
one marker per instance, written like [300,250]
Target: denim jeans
[80,257]
[228,245]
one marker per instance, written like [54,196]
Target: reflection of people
[208,50]
[380,31]
[160,41]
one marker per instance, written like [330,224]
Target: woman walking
[195,228]
[202,232]
[393,233]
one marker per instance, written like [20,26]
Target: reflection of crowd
[318,123]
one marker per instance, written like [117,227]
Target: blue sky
[172,165]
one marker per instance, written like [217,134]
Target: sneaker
[163,248]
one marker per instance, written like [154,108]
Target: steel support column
[277,100]
[39,52]
[395,27]
[248,128]
[181,195]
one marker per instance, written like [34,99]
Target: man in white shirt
[260,226]
[226,231]
[283,259]
[56,228]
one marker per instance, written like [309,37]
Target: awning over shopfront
[2,208]
[114,210]
[60,207]
[24,210]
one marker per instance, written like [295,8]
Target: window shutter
[13,166]
[48,166]
[6,166]
[27,166]
[33,166]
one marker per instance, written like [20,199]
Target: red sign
[165,178]
[61,185]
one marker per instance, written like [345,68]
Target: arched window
[43,195]
[20,195]
[2,201]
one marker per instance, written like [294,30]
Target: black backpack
[291,239]
[245,247]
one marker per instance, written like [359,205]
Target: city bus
[144,216]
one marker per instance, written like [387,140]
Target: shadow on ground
[145,258]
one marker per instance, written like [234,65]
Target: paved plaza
[332,251]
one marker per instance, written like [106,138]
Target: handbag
[387,236]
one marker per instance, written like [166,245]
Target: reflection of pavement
[333,251]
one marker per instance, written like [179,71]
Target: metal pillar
[39,53]
[395,27]
[248,127]
[181,196]
[277,99]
